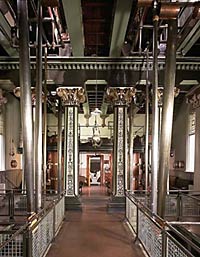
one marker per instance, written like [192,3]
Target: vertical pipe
[45,125]
[59,148]
[147,124]
[38,112]
[26,103]
[140,37]
[167,115]
[155,119]
[131,146]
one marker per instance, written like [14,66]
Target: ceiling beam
[190,39]
[4,36]
[73,16]
[121,18]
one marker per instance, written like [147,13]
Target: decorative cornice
[102,63]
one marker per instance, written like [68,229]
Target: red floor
[93,232]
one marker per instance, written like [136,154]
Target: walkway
[93,232]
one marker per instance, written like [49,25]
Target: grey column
[59,148]
[26,104]
[155,120]
[38,115]
[167,115]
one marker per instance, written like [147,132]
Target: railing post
[11,205]
[178,210]
[54,221]
[137,223]
[27,243]
[164,243]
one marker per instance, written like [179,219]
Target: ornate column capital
[121,95]
[160,94]
[17,93]
[71,95]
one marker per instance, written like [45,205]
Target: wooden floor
[93,232]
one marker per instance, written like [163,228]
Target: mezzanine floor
[93,232]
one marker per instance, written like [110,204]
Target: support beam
[190,39]
[72,9]
[5,30]
[122,14]
[167,115]
[26,102]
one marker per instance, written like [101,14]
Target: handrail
[165,226]
[32,222]
[183,237]
[148,212]
[25,226]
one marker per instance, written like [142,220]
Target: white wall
[179,140]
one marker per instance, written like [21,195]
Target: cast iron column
[167,114]
[38,114]
[120,97]
[26,103]
[71,98]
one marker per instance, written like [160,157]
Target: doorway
[95,170]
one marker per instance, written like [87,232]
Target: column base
[116,204]
[73,203]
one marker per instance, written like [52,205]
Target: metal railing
[179,204]
[158,237]
[14,202]
[34,237]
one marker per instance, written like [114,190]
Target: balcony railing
[161,238]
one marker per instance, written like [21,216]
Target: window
[191,144]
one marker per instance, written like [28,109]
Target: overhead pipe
[59,148]
[169,11]
[155,116]
[167,115]
[26,102]
[38,113]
